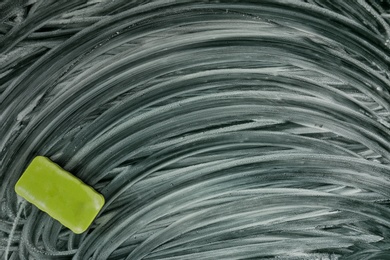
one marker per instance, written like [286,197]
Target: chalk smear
[214,129]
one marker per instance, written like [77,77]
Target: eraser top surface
[60,194]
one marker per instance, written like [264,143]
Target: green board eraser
[60,194]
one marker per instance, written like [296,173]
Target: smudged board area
[214,129]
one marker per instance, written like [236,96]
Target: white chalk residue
[214,129]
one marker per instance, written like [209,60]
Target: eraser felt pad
[60,194]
